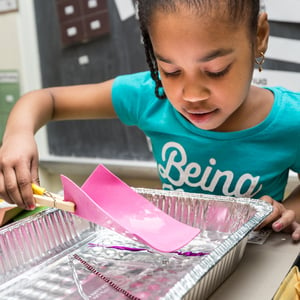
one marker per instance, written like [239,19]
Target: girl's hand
[281,219]
[18,170]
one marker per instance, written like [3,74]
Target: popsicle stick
[56,202]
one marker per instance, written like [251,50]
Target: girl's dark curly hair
[237,10]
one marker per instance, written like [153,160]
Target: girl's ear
[262,37]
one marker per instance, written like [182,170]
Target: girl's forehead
[196,37]
[188,21]
[214,10]
[186,13]
[196,8]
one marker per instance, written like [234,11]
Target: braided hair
[238,11]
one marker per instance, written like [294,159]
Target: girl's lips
[200,117]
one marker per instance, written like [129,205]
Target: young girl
[211,131]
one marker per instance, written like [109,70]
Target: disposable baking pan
[56,255]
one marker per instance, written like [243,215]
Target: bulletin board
[90,57]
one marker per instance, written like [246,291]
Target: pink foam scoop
[106,200]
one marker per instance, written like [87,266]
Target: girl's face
[205,67]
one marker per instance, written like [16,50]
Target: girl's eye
[170,74]
[218,74]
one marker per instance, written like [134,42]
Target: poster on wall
[125,8]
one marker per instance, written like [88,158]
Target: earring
[260,61]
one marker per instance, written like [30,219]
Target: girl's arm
[18,153]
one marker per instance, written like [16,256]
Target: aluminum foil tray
[56,255]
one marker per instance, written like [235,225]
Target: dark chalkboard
[118,52]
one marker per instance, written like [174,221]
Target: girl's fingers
[18,169]
[24,181]
[34,171]
[11,187]
[27,196]
[296,232]
[282,219]
[3,194]
[17,182]
[287,218]
[276,213]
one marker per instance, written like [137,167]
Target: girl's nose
[195,90]
[199,94]
[195,98]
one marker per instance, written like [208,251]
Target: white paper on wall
[277,49]
[8,5]
[283,10]
[125,8]
[289,80]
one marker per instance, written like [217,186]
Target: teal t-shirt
[247,163]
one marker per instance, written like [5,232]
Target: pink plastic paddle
[106,200]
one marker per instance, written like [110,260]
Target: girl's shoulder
[136,86]
[133,96]
[286,106]
[134,80]
[282,93]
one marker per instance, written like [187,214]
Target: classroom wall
[9,65]
[10,54]
[18,55]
